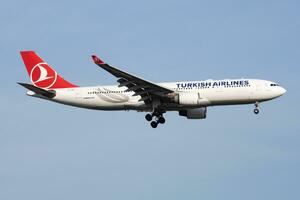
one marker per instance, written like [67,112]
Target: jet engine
[197,113]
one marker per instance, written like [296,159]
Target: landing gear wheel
[161,120]
[154,124]
[256,110]
[148,117]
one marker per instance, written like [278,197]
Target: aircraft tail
[41,74]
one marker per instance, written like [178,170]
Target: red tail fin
[41,74]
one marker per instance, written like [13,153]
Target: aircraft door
[256,90]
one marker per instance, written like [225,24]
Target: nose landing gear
[159,118]
[256,109]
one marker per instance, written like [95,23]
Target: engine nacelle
[191,99]
[197,113]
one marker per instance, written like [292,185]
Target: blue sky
[51,151]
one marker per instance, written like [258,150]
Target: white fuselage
[208,93]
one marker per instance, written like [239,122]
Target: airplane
[189,98]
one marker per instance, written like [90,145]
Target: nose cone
[281,91]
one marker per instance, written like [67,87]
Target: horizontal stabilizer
[40,91]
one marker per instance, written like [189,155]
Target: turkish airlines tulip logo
[43,76]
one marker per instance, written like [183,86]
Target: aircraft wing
[146,89]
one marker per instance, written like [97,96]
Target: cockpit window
[274,84]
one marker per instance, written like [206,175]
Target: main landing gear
[256,110]
[159,119]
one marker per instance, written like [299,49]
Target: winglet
[97,60]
